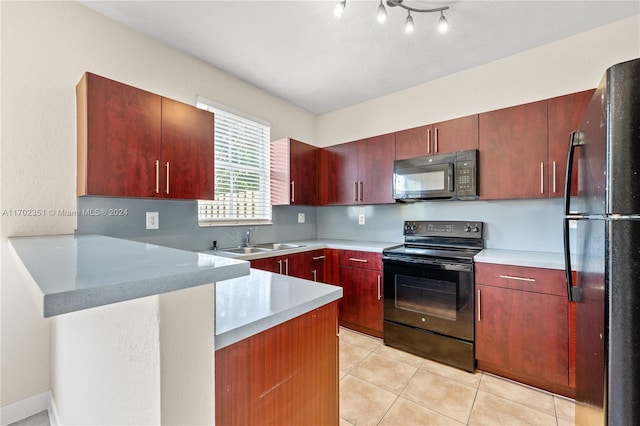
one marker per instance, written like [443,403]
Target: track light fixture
[409,26]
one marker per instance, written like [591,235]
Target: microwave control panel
[466,171]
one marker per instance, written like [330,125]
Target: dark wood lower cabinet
[522,333]
[361,306]
[286,375]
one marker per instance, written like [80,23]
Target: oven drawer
[537,280]
[360,259]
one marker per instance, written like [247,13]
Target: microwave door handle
[450,177]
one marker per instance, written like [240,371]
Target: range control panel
[456,229]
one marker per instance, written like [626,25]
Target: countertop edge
[330,294]
[56,303]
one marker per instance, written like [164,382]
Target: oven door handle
[434,264]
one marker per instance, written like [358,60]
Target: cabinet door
[513,152]
[523,333]
[293,173]
[298,265]
[361,305]
[318,262]
[375,169]
[564,114]
[269,264]
[187,151]
[338,174]
[118,138]
[454,135]
[415,142]
[304,182]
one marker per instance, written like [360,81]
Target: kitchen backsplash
[179,225]
[534,225]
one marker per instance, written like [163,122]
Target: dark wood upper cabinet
[133,143]
[375,169]
[513,152]
[411,143]
[358,172]
[564,114]
[338,174]
[119,133]
[459,134]
[293,173]
[187,151]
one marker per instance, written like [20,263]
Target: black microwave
[444,176]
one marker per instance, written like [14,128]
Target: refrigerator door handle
[573,293]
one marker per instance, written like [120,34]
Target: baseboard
[28,407]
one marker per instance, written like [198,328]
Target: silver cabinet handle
[361,190]
[319,257]
[280,267]
[554,177]
[429,141]
[542,178]
[379,288]
[167,177]
[355,191]
[435,151]
[286,266]
[157,176]
[315,275]
[293,192]
[353,259]
[479,317]
[511,277]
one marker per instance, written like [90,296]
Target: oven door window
[427,296]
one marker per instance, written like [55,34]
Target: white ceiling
[297,50]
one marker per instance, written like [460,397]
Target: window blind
[242,192]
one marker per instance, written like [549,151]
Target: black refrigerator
[605,250]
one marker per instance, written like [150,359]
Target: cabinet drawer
[538,280]
[360,259]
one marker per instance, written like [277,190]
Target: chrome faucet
[247,238]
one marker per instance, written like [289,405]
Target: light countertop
[246,306]
[532,259]
[74,272]
[306,245]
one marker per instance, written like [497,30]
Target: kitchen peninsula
[134,328]
[144,351]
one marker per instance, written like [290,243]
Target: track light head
[443,24]
[338,10]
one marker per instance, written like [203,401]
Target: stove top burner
[440,239]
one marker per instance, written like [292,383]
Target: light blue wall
[179,227]
[534,225]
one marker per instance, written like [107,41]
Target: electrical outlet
[300,217]
[361,219]
[153,220]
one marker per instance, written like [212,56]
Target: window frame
[206,219]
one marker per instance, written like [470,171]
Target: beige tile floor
[380,385]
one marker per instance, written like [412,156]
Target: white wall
[46,47]
[570,65]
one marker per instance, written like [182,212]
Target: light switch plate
[301,218]
[153,220]
[361,219]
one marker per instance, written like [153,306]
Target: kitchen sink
[279,246]
[261,248]
[247,250]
